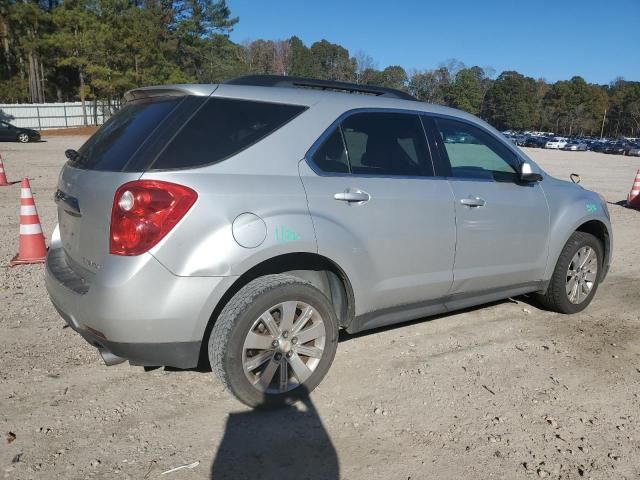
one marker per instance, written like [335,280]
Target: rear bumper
[135,308]
[174,354]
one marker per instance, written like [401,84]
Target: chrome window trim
[420,113]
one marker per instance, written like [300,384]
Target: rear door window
[221,128]
[331,157]
[387,143]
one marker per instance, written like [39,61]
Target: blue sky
[556,40]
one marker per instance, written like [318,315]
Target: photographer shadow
[276,444]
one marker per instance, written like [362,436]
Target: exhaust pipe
[109,358]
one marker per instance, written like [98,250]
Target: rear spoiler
[170,91]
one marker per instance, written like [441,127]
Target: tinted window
[331,157]
[221,128]
[386,144]
[111,147]
[474,153]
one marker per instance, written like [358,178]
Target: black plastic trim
[167,354]
[63,273]
[448,303]
[303,82]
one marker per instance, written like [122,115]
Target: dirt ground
[66,132]
[503,391]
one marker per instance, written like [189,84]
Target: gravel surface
[503,391]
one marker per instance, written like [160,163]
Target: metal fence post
[66,120]
[38,114]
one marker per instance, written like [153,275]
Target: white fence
[57,115]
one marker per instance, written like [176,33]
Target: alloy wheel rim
[23,137]
[283,347]
[581,275]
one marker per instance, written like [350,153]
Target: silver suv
[246,223]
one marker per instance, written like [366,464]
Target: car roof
[309,97]
[325,106]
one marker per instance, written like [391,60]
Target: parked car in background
[509,136]
[556,143]
[520,140]
[630,146]
[536,142]
[11,133]
[247,223]
[634,150]
[614,148]
[575,146]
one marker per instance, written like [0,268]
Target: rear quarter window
[221,128]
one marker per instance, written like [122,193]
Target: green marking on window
[285,235]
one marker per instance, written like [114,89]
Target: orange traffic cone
[633,200]
[32,246]
[3,176]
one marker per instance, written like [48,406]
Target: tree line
[55,50]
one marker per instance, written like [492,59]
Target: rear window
[111,147]
[222,128]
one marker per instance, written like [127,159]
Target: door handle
[352,196]
[473,202]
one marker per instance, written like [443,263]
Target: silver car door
[382,217]
[502,223]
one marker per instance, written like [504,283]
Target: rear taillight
[143,212]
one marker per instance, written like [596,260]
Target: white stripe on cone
[25,193]
[1,169]
[31,229]
[28,210]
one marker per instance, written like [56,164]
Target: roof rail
[301,82]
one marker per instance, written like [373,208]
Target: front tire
[23,138]
[274,341]
[576,276]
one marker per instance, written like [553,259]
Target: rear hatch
[157,131]
[118,153]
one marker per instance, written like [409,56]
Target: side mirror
[527,173]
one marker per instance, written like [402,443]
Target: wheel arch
[593,226]
[599,230]
[320,271]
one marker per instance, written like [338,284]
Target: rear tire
[274,341]
[576,276]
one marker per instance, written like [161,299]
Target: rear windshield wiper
[72,154]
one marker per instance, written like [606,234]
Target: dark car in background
[536,142]
[614,148]
[598,147]
[520,140]
[11,133]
